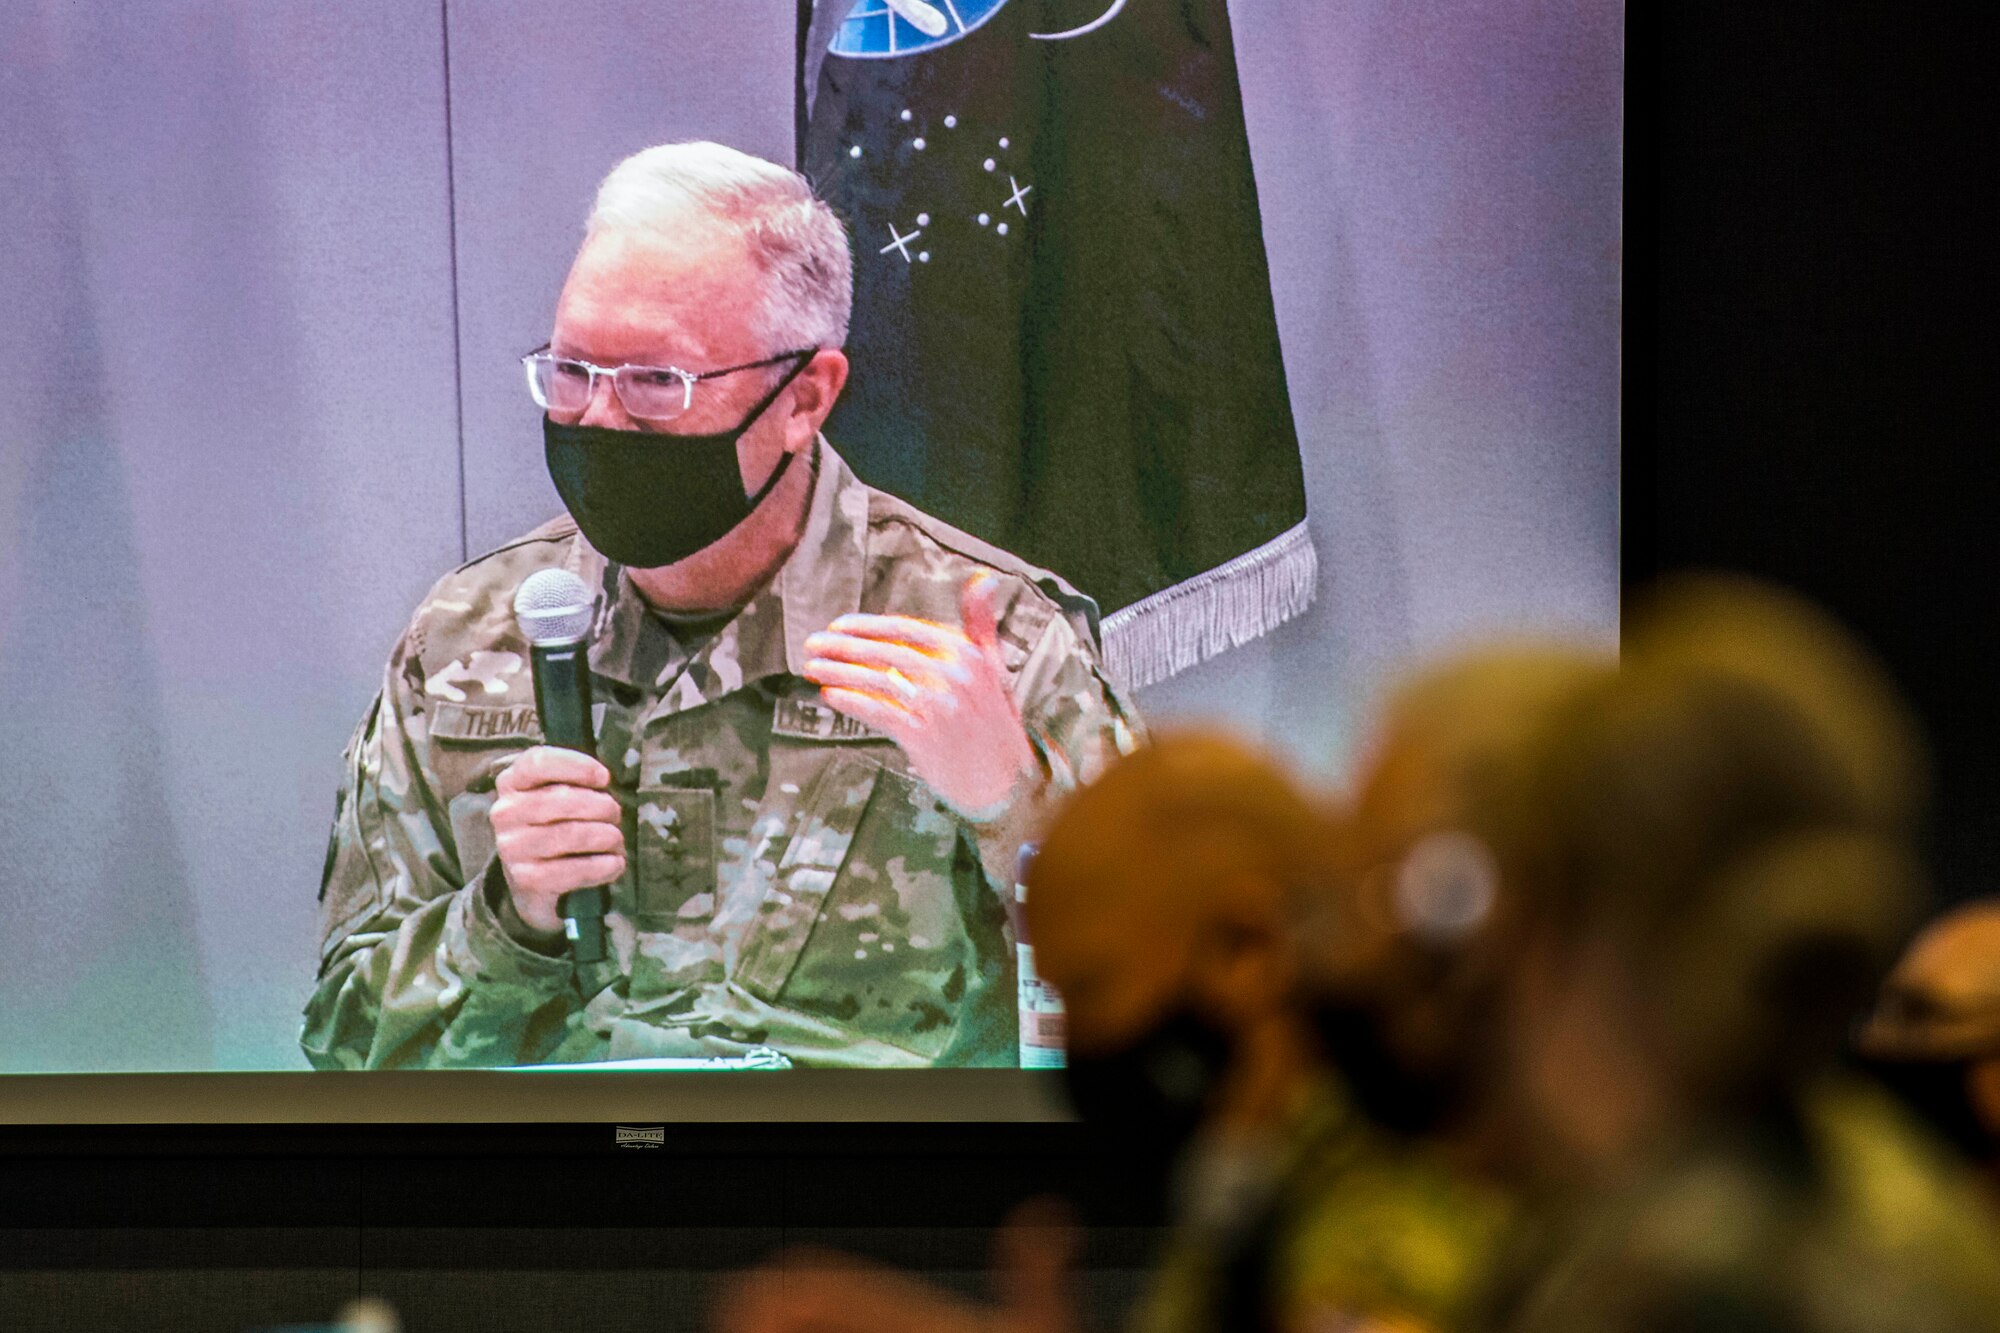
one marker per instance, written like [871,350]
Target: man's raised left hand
[940,693]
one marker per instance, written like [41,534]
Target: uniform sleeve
[415,968]
[1077,721]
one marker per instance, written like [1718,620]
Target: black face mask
[1387,1087]
[1936,1090]
[647,500]
[1155,1091]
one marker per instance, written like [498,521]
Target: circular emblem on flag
[882,29]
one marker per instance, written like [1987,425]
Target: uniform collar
[818,582]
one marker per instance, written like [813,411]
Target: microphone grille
[554,606]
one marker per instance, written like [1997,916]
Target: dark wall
[1811,351]
[520,1230]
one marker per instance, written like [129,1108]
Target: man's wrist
[1028,782]
[480,947]
[550,944]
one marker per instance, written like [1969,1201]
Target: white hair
[795,238]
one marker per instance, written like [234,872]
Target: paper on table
[757,1057]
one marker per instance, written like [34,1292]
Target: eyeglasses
[563,384]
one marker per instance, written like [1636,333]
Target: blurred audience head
[1157,907]
[1437,855]
[1580,903]
[1729,870]
[1935,1034]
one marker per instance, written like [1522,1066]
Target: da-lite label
[642,1136]
[1041,1017]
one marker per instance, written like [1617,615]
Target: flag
[1063,335]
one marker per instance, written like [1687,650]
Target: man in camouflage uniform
[824,733]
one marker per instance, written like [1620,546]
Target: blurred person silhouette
[1163,906]
[1726,872]
[1408,950]
[1934,1037]
[814,1290]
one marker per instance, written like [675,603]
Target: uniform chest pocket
[468,749]
[674,840]
[909,947]
[864,927]
[831,804]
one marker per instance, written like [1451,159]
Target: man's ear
[813,395]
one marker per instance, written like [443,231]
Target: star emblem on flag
[961,184]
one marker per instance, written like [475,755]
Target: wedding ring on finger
[904,686]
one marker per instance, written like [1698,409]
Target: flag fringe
[1226,607]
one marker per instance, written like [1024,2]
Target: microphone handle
[562,700]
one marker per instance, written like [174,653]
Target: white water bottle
[1041,1007]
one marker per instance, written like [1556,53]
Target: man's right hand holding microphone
[557,828]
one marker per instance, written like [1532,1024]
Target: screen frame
[489,1096]
[302,1100]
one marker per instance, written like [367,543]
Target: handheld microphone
[554,609]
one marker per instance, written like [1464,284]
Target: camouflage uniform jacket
[789,881]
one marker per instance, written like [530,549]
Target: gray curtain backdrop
[266,268]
